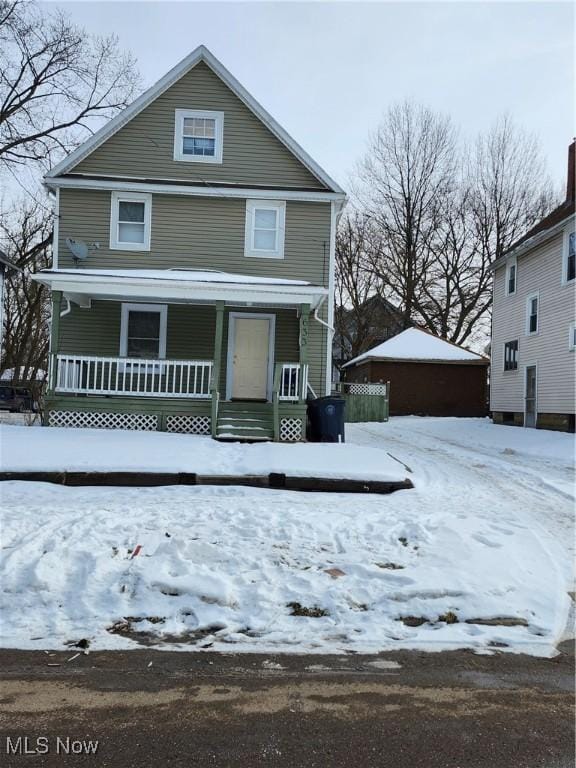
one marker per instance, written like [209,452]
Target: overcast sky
[328,70]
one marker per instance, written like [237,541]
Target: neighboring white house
[533,334]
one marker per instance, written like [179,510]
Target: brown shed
[428,376]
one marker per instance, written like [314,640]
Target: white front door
[250,350]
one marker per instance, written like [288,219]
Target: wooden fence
[365,402]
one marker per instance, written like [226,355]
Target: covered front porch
[223,356]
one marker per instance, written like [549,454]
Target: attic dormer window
[198,136]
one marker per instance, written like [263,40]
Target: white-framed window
[569,260]
[198,136]
[265,225]
[532,312]
[572,337]
[511,355]
[511,277]
[130,221]
[143,331]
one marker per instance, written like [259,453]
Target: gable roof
[201,53]
[416,345]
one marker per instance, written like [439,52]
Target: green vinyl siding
[144,147]
[190,336]
[197,233]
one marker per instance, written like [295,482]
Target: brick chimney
[571,182]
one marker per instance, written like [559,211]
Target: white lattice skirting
[193,425]
[290,430]
[367,389]
[103,420]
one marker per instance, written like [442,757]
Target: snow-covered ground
[487,533]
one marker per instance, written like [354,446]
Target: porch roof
[180,286]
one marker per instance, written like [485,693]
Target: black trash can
[326,420]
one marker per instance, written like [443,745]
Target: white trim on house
[279,207]
[107,184]
[572,337]
[511,262]
[529,299]
[218,117]
[565,250]
[131,197]
[162,309]
[201,53]
[56,230]
[74,284]
[232,316]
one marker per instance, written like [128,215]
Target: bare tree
[56,82]
[355,285]
[27,232]
[441,214]
[511,189]
[408,170]
[455,301]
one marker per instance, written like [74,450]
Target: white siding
[538,270]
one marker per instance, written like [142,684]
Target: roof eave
[533,242]
[462,361]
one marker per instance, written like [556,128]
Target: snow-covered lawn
[487,533]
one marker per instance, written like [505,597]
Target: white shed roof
[417,345]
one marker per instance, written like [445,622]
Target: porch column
[218,343]
[54,338]
[304,323]
[216,366]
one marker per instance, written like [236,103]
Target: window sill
[128,247]
[197,159]
[263,255]
[532,335]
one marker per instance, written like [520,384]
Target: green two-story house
[193,275]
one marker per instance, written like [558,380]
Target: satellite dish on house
[77,248]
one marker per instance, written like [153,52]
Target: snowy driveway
[478,555]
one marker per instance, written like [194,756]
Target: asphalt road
[399,710]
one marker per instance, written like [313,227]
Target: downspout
[67,310]
[336,208]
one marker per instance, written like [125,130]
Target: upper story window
[198,136]
[143,331]
[264,233]
[572,337]
[511,355]
[130,218]
[532,310]
[511,271]
[569,267]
